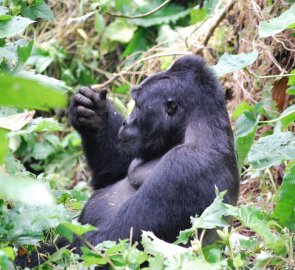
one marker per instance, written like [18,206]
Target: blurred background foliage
[50,48]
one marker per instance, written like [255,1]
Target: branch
[140,15]
[125,71]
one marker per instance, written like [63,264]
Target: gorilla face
[157,121]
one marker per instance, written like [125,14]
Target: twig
[139,15]
[267,76]
[98,252]
[125,71]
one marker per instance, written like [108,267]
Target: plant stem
[267,76]
[139,15]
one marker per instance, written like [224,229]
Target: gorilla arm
[98,123]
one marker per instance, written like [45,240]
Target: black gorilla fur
[177,143]
[160,166]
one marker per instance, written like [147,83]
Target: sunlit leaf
[166,15]
[69,229]
[272,150]
[120,30]
[229,63]
[26,93]
[15,26]
[25,190]
[277,25]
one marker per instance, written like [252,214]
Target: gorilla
[159,166]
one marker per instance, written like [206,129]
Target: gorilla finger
[82,111]
[88,123]
[83,100]
[84,122]
[87,92]
[103,94]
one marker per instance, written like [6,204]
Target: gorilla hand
[88,109]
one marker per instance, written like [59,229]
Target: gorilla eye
[170,107]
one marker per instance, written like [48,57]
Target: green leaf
[122,89]
[40,124]
[120,30]
[256,220]
[99,23]
[285,211]
[241,108]
[9,251]
[213,215]
[277,25]
[286,118]
[28,222]
[291,80]
[24,52]
[211,218]
[291,90]
[198,15]
[244,136]
[25,190]
[69,229]
[25,93]
[272,150]
[166,15]
[229,63]
[3,144]
[91,258]
[210,5]
[5,17]
[39,9]
[14,26]
[138,43]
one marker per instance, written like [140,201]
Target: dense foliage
[116,44]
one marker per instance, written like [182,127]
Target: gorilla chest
[105,203]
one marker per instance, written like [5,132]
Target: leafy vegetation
[116,44]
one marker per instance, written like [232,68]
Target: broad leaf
[28,222]
[25,93]
[120,30]
[246,126]
[39,9]
[229,63]
[291,90]
[272,150]
[25,191]
[277,25]
[284,210]
[24,52]
[166,15]
[286,118]
[256,220]
[15,26]
[69,229]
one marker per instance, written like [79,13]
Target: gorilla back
[159,166]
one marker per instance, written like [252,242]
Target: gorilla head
[165,103]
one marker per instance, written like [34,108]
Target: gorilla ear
[170,107]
